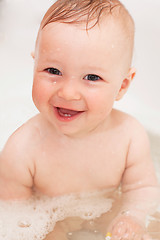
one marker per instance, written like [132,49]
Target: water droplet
[91,223]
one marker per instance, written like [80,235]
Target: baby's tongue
[67,112]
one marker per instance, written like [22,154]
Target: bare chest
[62,170]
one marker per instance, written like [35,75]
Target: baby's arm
[140,193]
[15,167]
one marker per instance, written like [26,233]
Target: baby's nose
[69,91]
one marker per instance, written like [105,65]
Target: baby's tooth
[67,115]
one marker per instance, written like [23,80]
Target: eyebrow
[97,68]
[49,59]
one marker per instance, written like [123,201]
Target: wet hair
[83,11]
[90,13]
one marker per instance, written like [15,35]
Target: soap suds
[35,218]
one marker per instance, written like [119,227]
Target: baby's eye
[54,71]
[92,77]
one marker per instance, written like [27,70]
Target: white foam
[36,217]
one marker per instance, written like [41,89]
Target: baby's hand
[127,228]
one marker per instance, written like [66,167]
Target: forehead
[104,44]
[108,33]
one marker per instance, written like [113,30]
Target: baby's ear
[125,84]
[33,55]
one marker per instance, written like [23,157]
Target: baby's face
[78,75]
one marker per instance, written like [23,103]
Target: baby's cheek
[38,95]
[101,104]
[40,90]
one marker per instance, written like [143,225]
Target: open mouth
[66,114]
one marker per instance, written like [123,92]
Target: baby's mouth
[67,114]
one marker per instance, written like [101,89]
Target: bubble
[35,218]
[91,223]
[24,224]
[89,214]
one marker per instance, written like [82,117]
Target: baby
[78,142]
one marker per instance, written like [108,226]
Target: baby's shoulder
[128,123]
[26,135]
